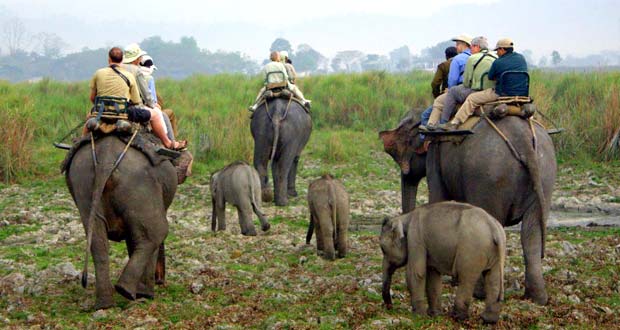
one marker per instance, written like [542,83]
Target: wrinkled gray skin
[130,204]
[239,185]
[482,171]
[329,217]
[446,238]
[289,135]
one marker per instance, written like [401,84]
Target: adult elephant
[514,186]
[127,202]
[281,128]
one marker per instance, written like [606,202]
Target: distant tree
[14,35]
[281,44]
[542,61]
[400,58]
[436,54]
[528,57]
[374,62]
[348,61]
[307,59]
[49,44]
[555,57]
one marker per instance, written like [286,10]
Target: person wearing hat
[147,67]
[118,82]
[288,64]
[455,77]
[513,85]
[474,77]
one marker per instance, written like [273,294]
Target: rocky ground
[275,281]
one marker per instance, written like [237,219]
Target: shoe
[179,145]
[252,108]
[448,127]
[428,127]
[307,104]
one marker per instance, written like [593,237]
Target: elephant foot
[123,291]
[267,195]
[292,193]
[265,227]
[432,312]
[490,315]
[251,232]
[388,306]
[104,303]
[329,255]
[281,201]
[420,311]
[538,296]
[145,292]
[459,314]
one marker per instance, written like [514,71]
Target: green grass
[348,111]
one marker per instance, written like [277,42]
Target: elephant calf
[238,184]
[329,214]
[450,238]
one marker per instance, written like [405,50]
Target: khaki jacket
[476,78]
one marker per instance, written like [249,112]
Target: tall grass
[213,117]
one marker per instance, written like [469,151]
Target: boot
[448,127]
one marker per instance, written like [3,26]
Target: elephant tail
[310,229]
[101,178]
[333,202]
[213,214]
[275,120]
[533,168]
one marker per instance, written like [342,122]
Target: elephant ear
[389,139]
[397,230]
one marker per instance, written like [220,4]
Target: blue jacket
[457,67]
[512,84]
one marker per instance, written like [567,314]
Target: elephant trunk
[388,272]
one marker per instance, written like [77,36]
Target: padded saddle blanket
[144,142]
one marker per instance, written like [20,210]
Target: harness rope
[510,146]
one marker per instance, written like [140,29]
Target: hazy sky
[570,26]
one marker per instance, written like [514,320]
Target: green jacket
[476,78]
[440,81]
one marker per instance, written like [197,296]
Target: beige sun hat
[504,43]
[132,52]
[283,54]
[464,38]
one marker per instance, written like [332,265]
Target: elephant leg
[245,220]
[531,240]
[467,276]
[220,214]
[147,233]
[292,177]
[320,245]
[261,160]
[326,232]
[146,286]
[492,286]
[388,272]
[160,268]
[100,251]
[280,169]
[416,279]
[433,292]
[342,232]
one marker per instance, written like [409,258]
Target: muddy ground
[275,281]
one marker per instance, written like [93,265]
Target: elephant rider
[288,64]
[131,58]
[517,85]
[117,82]
[474,78]
[455,77]
[440,80]
[147,68]
[274,72]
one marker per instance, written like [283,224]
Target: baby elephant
[238,184]
[329,214]
[449,238]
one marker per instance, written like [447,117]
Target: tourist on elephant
[455,77]
[274,72]
[474,78]
[118,82]
[288,64]
[440,80]
[147,67]
[514,85]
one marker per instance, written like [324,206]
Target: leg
[146,286]
[492,287]
[292,175]
[456,94]
[531,241]
[426,115]
[433,292]
[261,159]
[467,275]
[437,109]
[99,249]
[326,232]
[264,223]
[280,169]
[320,245]
[173,120]
[160,268]
[245,220]
[220,214]
[297,92]
[343,228]
[473,101]
[416,278]
[168,126]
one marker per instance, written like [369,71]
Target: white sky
[570,26]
